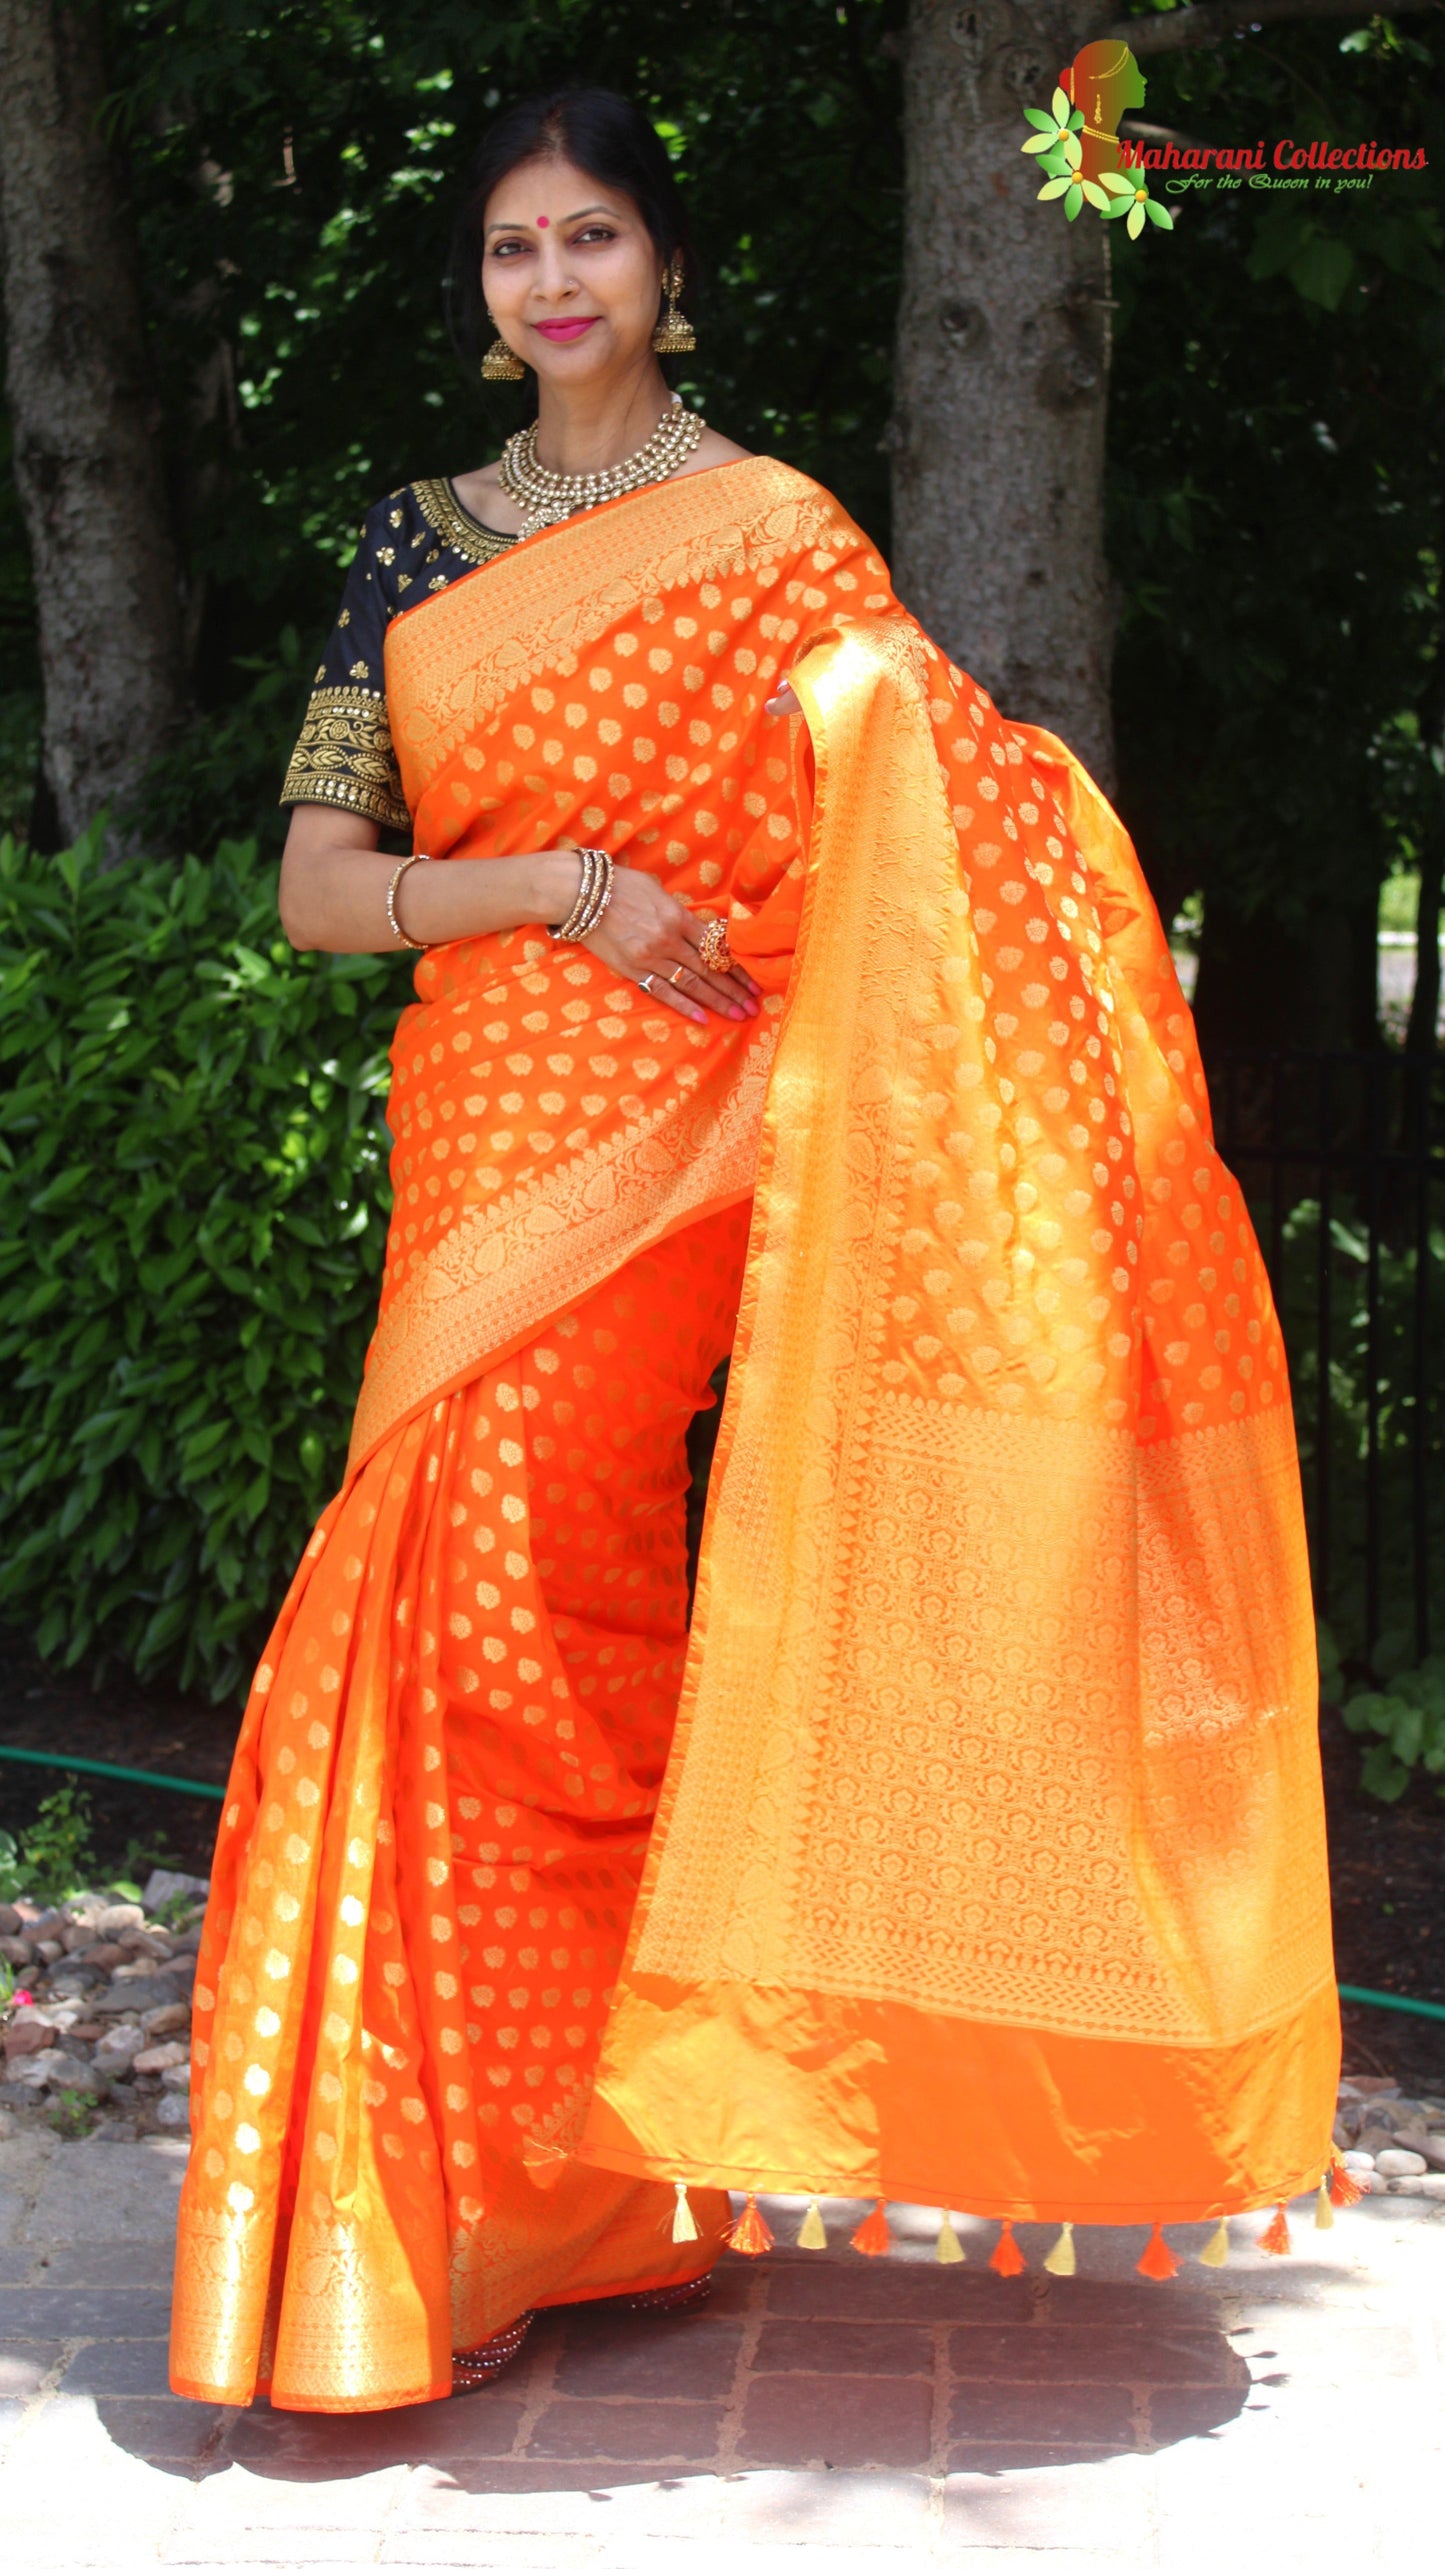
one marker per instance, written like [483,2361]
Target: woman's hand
[646,931]
[784,702]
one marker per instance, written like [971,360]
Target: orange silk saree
[984,1865]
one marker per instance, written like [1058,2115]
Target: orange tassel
[1276,2241]
[1008,2257]
[873,2238]
[750,2234]
[1158,2259]
[1344,2191]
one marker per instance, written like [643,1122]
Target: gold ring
[713,952]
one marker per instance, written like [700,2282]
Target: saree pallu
[987,1868]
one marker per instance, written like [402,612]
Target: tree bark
[86,419]
[1001,375]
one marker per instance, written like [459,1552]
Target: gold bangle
[417,944]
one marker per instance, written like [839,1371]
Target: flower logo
[1078,151]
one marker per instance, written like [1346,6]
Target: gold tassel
[683,2224]
[1324,2209]
[750,2234]
[1216,2253]
[1061,2259]
[812,2233]
[1008,2257]
[947,2250]
[873,2238]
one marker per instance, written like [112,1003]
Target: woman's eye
[597,232]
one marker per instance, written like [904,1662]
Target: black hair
[602,133]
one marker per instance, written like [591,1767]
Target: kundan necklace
[549,497]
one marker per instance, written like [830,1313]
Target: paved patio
[826,2409]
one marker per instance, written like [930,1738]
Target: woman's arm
[334,883]
[334,886]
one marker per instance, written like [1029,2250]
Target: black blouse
[413,542]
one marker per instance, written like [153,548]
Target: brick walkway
[834,2410]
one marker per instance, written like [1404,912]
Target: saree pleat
[969,1846]
[427,1864]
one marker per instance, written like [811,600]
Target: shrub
[193,1207]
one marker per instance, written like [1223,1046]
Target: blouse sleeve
[344,755]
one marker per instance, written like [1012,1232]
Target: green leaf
[1382,1774]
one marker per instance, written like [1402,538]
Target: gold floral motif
[345,616]
[360,669]
[344,756]
[393,517]
[459,531]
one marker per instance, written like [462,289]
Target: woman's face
[569,272]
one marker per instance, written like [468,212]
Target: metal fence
[1342,1159]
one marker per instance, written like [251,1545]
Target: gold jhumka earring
[501,364]
[674,335]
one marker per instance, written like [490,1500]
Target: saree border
[556,592]
[513,1263]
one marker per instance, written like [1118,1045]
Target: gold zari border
[344,756]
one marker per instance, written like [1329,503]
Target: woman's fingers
[784,702]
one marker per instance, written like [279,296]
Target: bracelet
[417,944]
[593,894]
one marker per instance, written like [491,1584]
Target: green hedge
[193,1205]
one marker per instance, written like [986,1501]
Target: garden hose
[217,1793]
[124,1774]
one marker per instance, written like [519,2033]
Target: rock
[159,2056]
[69,2072]
[178,2076]
[1375,2086]
[105,1957]
[117,2048]
[166,1886]
[120,1913]
[26,2036]
[1373,2182]
[9,1919]
[113,2130]
[7,2124]
[49,1948]
[1399,2163]
[1433,2149]
[1432,2185]
[75,1939]
[173,2113]
[170,2019]
[1359,2162]
[128,1997]
[144,1967]
[16,1950]
[33,2070]
[1343,2134]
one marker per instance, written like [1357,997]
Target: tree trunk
[86,419]
[1001,375]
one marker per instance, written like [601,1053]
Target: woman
[989,1866]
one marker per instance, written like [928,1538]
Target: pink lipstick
[564,330]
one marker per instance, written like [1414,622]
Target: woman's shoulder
[419,537]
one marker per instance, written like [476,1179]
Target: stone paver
[861,2414]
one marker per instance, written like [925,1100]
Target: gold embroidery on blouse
[360,669]
[386,553]
[344,756]
[459,531]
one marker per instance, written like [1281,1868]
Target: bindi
[542,222]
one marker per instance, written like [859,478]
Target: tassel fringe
[1276,2241]
[750,2234]
[1343,2189]
[1217,2251]
[1158,2260]
[1061,2259]
[683,2224]
[812,2233]
[873,2238]
[1324,2209]
[947,2249]
[1008,2257]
